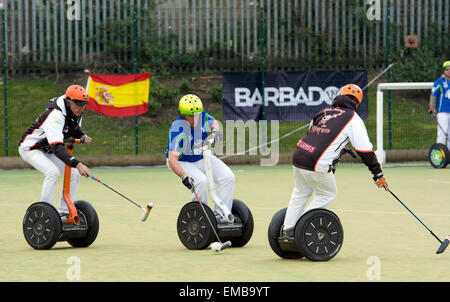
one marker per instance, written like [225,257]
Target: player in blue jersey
[440,104]
[184,153]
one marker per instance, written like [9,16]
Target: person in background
[440,104]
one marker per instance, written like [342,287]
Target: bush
[185,86]
[424,63]
[216,94]
[160,93]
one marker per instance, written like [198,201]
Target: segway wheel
[193,228]
[319,235]
[244,214]
[88,220]
[275,230]
[41,226]
[438,156]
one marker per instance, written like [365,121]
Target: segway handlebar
[74,140]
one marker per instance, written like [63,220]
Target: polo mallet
[443,243]
[435,119]
[215,246]
[145,210]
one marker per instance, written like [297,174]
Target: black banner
[288,96]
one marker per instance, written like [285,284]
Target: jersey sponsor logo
[285,96]
[305,146]
[320,130]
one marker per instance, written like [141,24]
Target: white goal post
[380,152]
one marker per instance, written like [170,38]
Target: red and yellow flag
[118,95]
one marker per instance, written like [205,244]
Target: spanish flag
[118,95]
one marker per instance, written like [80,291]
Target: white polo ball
[215,246]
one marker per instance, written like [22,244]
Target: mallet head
[218,246]
[146,211]
[443,245]
[225,245]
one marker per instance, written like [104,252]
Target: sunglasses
[80,103]
[447,69]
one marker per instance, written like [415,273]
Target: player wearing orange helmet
[42,144]
[318,152]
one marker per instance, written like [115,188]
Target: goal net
[407,126]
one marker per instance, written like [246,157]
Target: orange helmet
[77,94]
[353,90]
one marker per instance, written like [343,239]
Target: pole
[388,30]
[5,75]
[135,70]
[261,25]
[263,105]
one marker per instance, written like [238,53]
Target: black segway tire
[42,226]
[319,235]
[274,232]
[240,210]
[438,156]
[88,218]
[193,228]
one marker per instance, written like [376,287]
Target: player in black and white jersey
[317,153]
[42,144]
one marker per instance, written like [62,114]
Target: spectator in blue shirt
[440,104]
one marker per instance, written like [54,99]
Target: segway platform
[318,236]
[43,226]
[195,232]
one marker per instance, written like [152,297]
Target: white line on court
[438,181]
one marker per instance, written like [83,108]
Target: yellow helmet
[446,64]
[190,104]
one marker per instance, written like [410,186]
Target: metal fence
[297,33]
[218,35]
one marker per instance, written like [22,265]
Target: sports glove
[381,183]
[430,111]
[187,181]
[217,135]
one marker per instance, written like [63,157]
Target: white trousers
[443,119]
[322,184]
[52,168]
[222,176]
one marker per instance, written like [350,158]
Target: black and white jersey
[51,127]
[329,133]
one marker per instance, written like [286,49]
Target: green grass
[27,98]
[126,249]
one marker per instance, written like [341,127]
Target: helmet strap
[354,99]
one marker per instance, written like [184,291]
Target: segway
[318,236]
[197,226]
[439,155]
[43,226]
